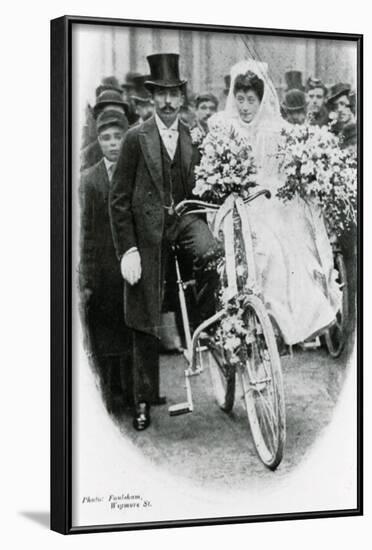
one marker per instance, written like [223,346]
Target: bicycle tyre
[335,337]
[267,422]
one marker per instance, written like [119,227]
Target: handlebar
[202,207]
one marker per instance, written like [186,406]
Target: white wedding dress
[291,247]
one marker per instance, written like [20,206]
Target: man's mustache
[168,108]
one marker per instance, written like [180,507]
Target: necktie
[110,171]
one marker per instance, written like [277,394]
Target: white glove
[130,267]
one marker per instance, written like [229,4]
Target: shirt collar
[163,128]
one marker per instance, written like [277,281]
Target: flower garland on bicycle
[226,175]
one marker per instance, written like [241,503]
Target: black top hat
[109,97]
[140,93]
[111,118]
[294,80]
[337,90]
[164,71]
[294,100]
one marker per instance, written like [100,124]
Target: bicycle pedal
[180,408]
[311,344]
[194,372]
[201,348]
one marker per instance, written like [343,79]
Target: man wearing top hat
[293,80]
[293,107]
[155,171]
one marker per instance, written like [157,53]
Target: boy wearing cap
[206,105]
[108,99]
[155,171]
[100,279]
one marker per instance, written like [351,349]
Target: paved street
[212,447]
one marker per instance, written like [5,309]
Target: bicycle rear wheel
[262,383]
[335,336]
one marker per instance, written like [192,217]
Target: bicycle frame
[192,341]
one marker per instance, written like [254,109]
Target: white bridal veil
[269,111]
[263,132]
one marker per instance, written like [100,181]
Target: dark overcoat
[99,267]
[138,215]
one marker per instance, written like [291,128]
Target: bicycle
[260,373]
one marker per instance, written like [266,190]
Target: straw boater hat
[164,71]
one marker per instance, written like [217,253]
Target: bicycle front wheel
[262,383]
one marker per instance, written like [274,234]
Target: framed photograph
[206,274]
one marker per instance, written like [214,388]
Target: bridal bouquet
[227,166]
[317,170]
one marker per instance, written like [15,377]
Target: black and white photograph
[214,189]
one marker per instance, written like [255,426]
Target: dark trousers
[197,248]
[116,383]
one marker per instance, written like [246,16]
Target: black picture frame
[61,275]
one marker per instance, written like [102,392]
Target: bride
[292,250]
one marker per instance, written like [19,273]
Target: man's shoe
[141,419]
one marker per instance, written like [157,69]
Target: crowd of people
[312,102]
[137,161]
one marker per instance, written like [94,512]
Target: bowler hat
[294,100]
[140,93]
[109,97]
[164,71]
[293,80]
[108,83]
[129,78]
[111,118]
[335,91]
